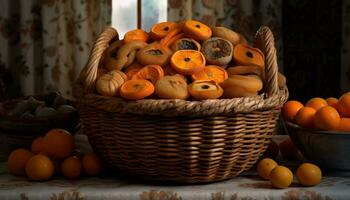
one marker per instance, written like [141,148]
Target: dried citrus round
[205,89]
[17,161]
[92,164]
[281,177]
[187,62]
[152,73]
[196,30]
[185,44]
[71,167]
[246,55]
[290,109]
[59,143]
[39,168]
[327,118]
[217,51]
[309,174]
[172,87]
[136,35]
[265,166]
[136,89]
[211,72]
[160,30]
[132,70]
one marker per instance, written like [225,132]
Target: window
[125,14]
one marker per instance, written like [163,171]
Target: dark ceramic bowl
[330,150]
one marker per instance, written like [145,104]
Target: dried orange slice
[187,62]
[246,55]
[160,30]
[136,35]
[136,89]
[211,72]
[152,73]
[196,30]
[133,69]
[205,89]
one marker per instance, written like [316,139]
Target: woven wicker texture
[177,140]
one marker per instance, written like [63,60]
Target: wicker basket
[178,140]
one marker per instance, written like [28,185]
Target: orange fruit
[58,143]
[92,164]
[281,177]
[331,101]
[344,124]
[309,174]
[17,160]
[265,166]
[327,118]
[343,105]
[136,35]
[39,168]
[71,167]
[38,145]
[288,149]
[316,103]
[290,109]
[305,117]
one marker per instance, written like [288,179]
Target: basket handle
[87,77]
[266,43]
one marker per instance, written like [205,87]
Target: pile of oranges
[325,114]
[281,177]
[52,154]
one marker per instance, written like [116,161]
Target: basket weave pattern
[178,140]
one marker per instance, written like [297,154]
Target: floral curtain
[243,16]
[45,43]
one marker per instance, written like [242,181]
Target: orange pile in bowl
[328,114]
[54,153]
[215,62]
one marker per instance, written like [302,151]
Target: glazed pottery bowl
[328,149]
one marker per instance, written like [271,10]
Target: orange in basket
[136,89]
[133,69]
[187,62]
[246,55]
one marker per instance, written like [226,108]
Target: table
[247,186]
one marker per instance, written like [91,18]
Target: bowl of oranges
[321,131]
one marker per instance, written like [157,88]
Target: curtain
[45,43]
[243,16]
[345,51]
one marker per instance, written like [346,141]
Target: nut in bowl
[328,149]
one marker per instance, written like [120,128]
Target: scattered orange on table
[71,167]
[309,174]
[265,166]
[92,164]
[17,161]
[39,168]
[281,177]
[38,145]
[59,143]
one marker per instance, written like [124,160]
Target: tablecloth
[107,186]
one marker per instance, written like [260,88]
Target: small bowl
[330,150]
